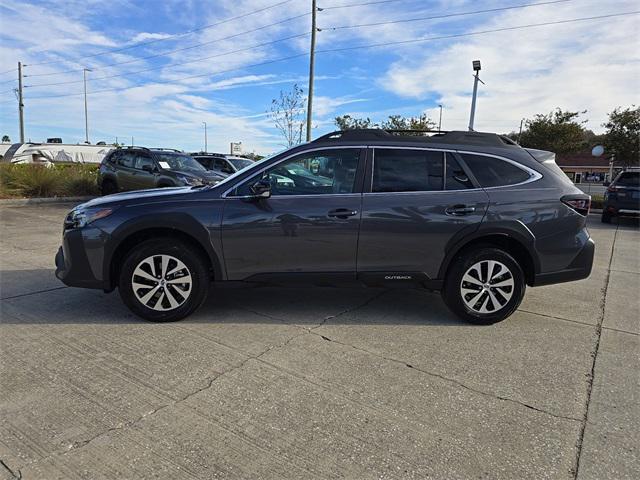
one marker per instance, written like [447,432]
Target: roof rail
[447,137]
[128,147]
[167,149]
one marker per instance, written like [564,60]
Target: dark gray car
[470,214]
[139,168]
[622,197]
[221,164]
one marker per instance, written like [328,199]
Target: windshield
[179,162]
[240,163]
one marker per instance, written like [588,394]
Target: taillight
[580,204]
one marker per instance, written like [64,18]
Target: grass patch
[31,180]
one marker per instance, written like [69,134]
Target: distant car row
[138,168]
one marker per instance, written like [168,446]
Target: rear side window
[127,159]
[493,172]
[629,179]
[455,177]
[407,170]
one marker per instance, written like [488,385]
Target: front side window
[296,177]
[142,161]
[493,172]
[406,170]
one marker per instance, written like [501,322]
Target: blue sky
[592,65]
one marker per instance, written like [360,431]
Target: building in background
[584,167]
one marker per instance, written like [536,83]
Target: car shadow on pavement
[36,297]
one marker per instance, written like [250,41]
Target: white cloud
[143,36]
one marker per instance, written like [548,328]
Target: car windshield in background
[240,163]
[176,161]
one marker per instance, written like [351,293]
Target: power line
[356,47]
[156,40]
[360,4]
[479,32]
[159,67]
[447,15]
[13,70]
[161,54]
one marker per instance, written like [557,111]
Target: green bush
[30,180]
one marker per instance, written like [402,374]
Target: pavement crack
[594,355]
[451,380]
[17,475]
[33,293]
[349,310]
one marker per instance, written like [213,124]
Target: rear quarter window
[493,172]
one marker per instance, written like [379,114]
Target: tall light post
[476,68]
[86,115]
[205,136]
[440,121]
[520,132]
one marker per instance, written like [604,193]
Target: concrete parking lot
[354,383]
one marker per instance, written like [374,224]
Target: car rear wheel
[163,280]
[484,285]
[108,187]
[606,217]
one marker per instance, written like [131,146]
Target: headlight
[189,180]
[81,217]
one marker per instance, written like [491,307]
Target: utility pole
[205,136]
[440,121]
[86,116]
[520,132]
[476,68]
[20,103]
[312,60]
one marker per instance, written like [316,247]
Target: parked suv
[622,197]
[221,164]
[138,168]
[473,215]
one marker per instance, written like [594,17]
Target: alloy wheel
[487,286]
[161,282]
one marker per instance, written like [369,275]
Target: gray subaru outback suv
[473,215]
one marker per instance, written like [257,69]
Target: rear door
[415,202]
[309,224]
[126,161]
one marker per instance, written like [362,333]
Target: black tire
[108,187]
[454,297]
[606,217]
[154,310]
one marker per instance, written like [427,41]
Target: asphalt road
[316,382]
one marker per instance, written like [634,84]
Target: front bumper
[73,267]
[578,269]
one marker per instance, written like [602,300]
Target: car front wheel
[163,280]
[484,286]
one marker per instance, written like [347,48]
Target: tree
[288,114]
[622,137]
[6,139]
[559,131]
[393,122]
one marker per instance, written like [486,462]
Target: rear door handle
[342,213]
[459,210]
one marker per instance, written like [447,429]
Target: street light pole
[205,136]
[476,68]
[86,115]
[520,132]
[440,121]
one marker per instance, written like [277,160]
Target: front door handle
[459,210]
[342,213]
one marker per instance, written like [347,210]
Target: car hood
[136,195]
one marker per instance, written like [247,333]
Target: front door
[418,202]
[309,224]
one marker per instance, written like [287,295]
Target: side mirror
[148,168]
[261,189]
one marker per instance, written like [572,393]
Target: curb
[22,202]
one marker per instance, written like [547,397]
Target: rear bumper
[72,264]
[579,268]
